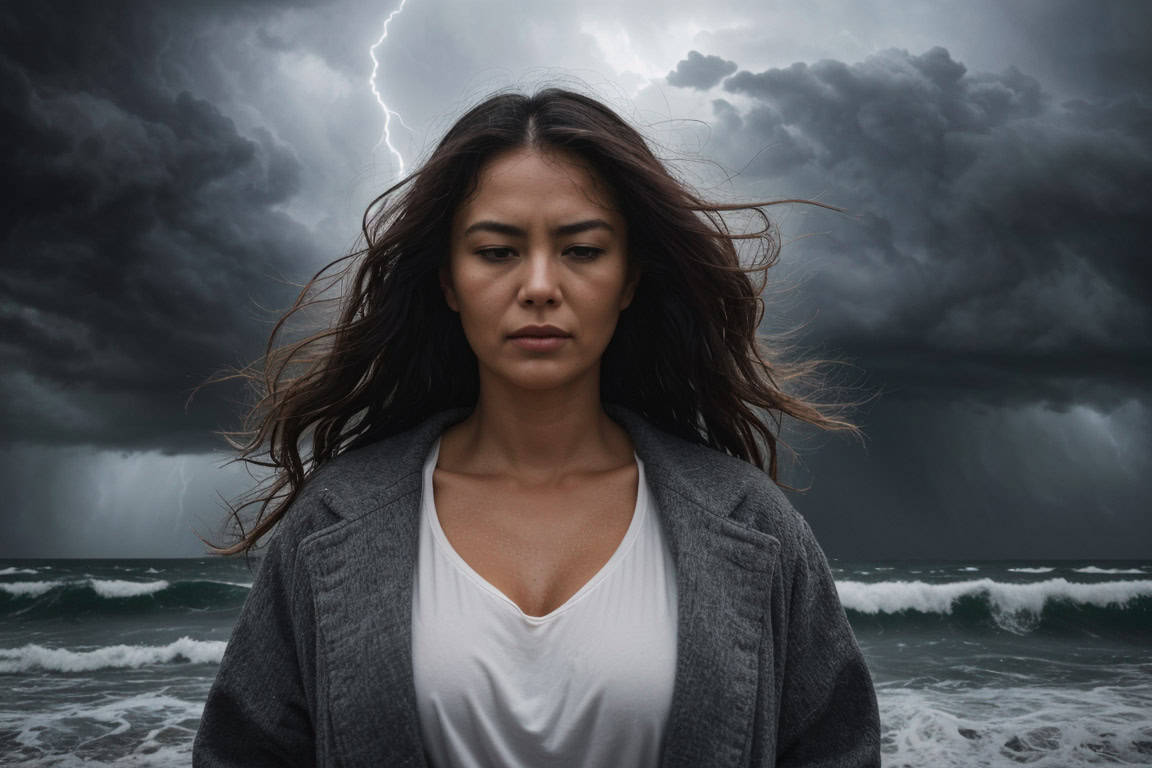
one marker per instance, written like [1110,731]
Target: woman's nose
[539,281]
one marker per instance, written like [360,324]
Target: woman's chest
[537,547]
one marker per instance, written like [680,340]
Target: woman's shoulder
[364,477]
[723,484]
[759,503]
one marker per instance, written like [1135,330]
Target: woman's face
[538,243]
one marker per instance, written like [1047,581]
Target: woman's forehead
[527,165]
[531,182]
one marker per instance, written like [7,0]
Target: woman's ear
[447,289]
[630,288]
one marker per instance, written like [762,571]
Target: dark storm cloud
[141,237]
[945,479]
[996,243]
[700,71]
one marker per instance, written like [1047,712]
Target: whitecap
[118,588]
[1094,569]
[34,656]
[29,588]
[895,596]
[245,584]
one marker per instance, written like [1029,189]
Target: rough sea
[976,663]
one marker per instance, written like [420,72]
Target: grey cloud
[892,109]
[994,243]
[1102,49]
[700,71]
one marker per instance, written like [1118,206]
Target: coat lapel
[364,567]
[364,599]
[722,576]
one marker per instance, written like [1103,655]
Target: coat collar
[363,570]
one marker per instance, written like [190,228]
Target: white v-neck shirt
[587,685]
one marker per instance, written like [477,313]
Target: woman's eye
[579,252]
[585,252]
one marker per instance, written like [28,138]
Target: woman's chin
[540,376]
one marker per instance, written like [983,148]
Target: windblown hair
[686,353]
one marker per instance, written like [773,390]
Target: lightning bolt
[386,136]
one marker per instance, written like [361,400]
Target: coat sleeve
[828,714]
[257,712]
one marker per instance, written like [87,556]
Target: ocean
[976,663]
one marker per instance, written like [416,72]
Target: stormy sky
[175,169]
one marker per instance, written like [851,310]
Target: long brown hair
[686,353]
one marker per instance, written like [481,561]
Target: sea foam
[1042,726]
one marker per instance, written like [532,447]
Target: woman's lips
[539,343]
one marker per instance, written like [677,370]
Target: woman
[535,529]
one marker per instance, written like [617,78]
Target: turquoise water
[976,663]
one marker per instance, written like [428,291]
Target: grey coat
[318,670]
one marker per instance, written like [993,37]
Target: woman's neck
[535,438]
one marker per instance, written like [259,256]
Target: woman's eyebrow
[501,228]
